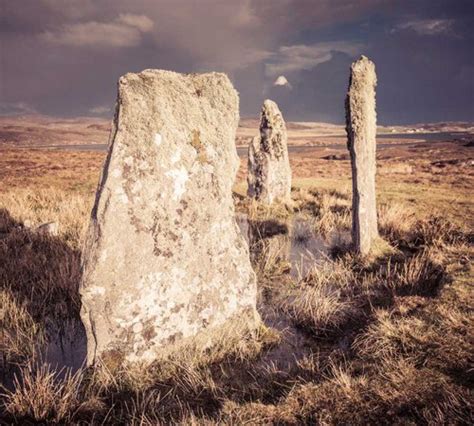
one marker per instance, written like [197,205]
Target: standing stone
[164,260]
[361,132]
[269,172]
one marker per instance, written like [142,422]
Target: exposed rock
[49,228]
[361,133]
[337,157]
[269,172]
[164,261]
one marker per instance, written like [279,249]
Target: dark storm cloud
[64,57]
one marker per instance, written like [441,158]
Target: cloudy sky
[63,57]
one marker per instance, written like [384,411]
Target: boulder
[164,262]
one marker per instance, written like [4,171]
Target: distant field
[35,131]
[441,173]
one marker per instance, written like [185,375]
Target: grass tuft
[20,335]
[40,395]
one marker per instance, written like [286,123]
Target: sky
[64,57]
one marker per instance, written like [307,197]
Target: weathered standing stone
[269,172]
[164,259]
[361,132]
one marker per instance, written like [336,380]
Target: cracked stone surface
[164,259]
[361,123]
[269,172]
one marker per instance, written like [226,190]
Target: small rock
[337,157]
[49,228]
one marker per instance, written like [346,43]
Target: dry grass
[320,301]
[42,271]
[345,290]
[391,390]
[421,275]
[405,318]
[439,231]
[261,212]
[439,336]
[270,256]
[395,220]
[174,387]
[71,171]
[386,340]
[41,395]
[330,210]
[238,340]
[20,335]
[318,308]
[70,210]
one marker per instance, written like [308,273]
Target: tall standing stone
[269,172]
[361,133]
[164,260]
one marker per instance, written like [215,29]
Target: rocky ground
[386,339]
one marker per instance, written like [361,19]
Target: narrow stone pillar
[361,133]
[269,172]
[164,261]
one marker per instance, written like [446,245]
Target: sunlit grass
[385,337]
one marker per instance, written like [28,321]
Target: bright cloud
[100,109]
[300,57]
[13,108]
[124,31]
[426,26]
